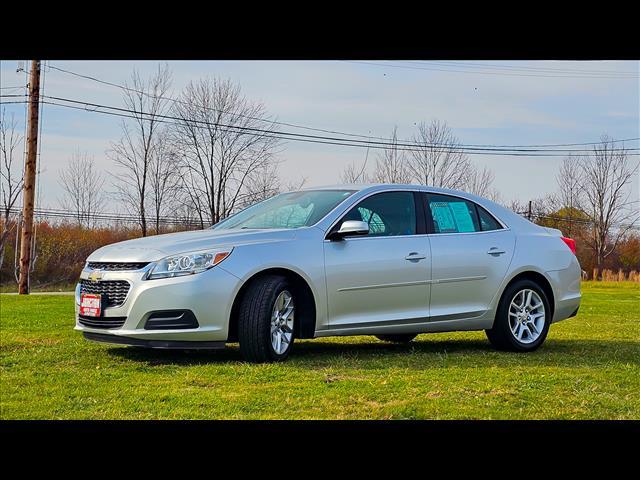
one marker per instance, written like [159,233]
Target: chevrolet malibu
[392,261]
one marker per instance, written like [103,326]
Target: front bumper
[209,295]
[142,342]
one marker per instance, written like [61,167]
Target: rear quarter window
[487,221]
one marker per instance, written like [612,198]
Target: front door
[381,278]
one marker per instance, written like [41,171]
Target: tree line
[213,158]
[202,166]
[592,202]
[437,159]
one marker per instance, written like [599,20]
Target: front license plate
[90,304]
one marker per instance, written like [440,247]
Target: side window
[452,214]
[487,222]
[376,225]
[388,214]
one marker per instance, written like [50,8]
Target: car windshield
[288,210]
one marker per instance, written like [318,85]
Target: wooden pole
[28,191]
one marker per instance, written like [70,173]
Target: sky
[484,102]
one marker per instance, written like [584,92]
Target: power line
[525,68]
[477,72]
[175,100]
[105,216]
[333,132]
[127,113]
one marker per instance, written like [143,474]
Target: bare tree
[391,164]
[568,201]
[11,176]
[265,183]
[163,177]
[219,136]
[438,160]
[540,207]
[187,208]
[262,183]
[134,152]
[190,203]
[83,189]
[480,182]
[605,177]
[355,174]
[570,181]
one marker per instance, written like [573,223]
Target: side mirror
[350,227]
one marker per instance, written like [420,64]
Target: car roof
[505,215]
[372,187]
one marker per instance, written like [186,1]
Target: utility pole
[28,191]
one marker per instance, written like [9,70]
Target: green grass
[588,368]
[12,287]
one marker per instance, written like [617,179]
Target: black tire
[501,335]
[397,338]
[254,320]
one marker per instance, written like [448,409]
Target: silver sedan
[392,261]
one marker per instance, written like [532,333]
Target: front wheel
[266,320]
[523,318]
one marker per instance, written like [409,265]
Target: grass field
[58,287]
[589,368]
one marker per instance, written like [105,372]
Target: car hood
[150,249]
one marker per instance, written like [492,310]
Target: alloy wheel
[526,316]
[282,318]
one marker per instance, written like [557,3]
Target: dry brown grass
[613,276]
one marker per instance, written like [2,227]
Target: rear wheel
[523,318]
[266,320]
[397,338]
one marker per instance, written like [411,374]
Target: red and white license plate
[90,304]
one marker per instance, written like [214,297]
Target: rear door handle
[496,251]
[415,256]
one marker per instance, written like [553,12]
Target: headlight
[78,293]
[187,263]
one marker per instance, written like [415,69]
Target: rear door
[471,253]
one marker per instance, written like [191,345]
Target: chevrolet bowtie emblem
[96,275]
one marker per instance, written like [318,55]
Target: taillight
[571,243]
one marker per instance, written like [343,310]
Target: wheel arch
[305,326]
[539,279]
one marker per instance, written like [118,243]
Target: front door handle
[496,251]
[415,257]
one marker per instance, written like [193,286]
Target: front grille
[117,265]
[102,322]
[113,291]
